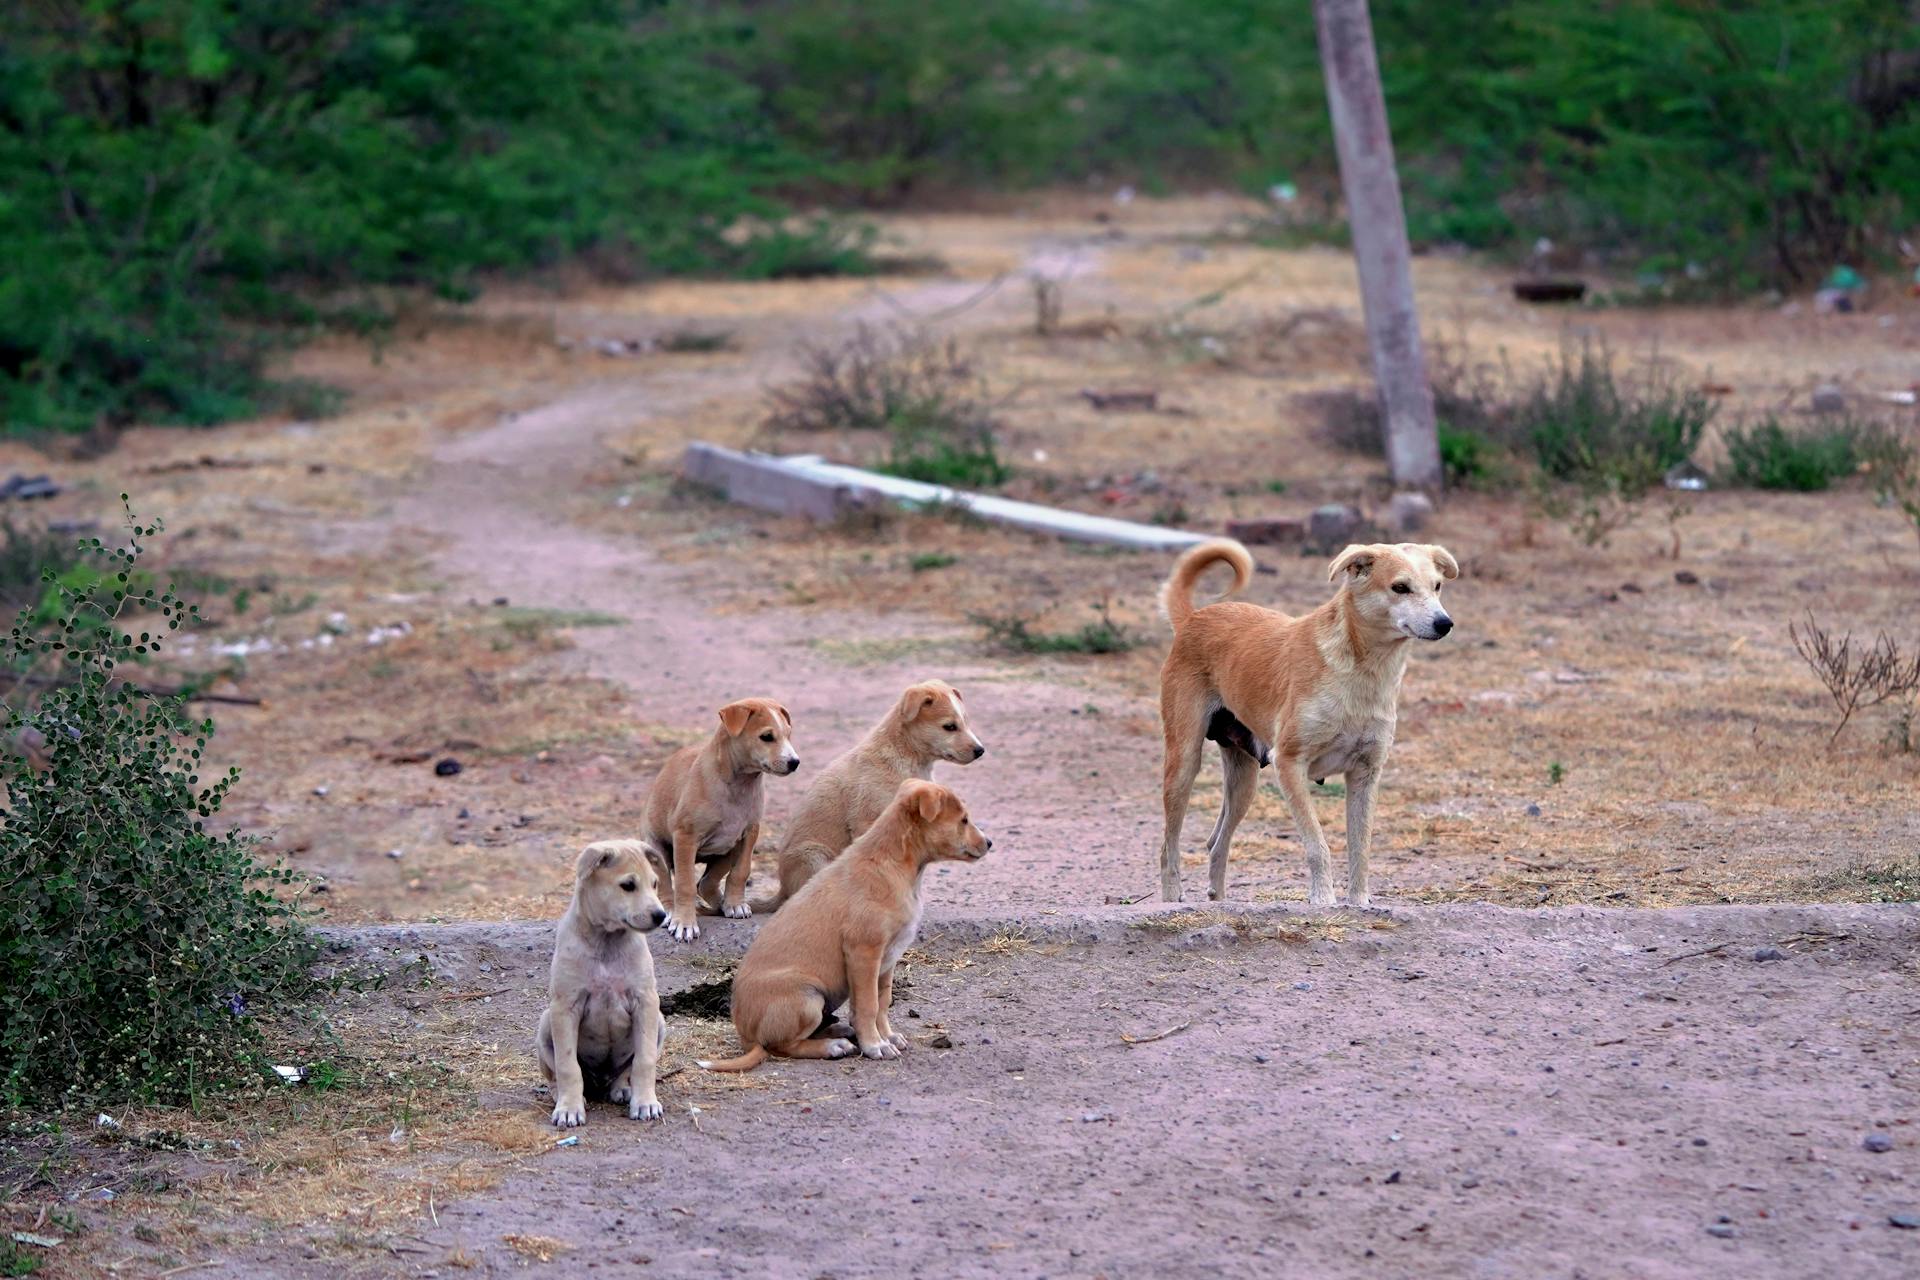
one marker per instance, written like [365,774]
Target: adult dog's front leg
[1362,777]
[649,1034]
[1293,783]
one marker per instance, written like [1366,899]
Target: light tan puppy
[928,723]
[601,1033]
[706,806]
[841,936]
[1320,694]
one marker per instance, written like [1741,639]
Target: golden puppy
[841,935]
[706,807]
[601,1032]
[928,723]
[1319,694]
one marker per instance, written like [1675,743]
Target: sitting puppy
[841,936]
[706,807]
[929,723]
[603,1014]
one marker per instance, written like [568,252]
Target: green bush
[139,951]
[1768,456]
[1586,422]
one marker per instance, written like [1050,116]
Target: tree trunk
[1379,226]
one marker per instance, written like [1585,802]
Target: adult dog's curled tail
[745,1062]
[1176,598]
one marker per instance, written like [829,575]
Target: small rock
[1096,1117]
[1827,398]
[1878,1143]
[1303,986]
[463,815]
[1262,1058]
[1763,954]
[1905,1221]
[1333,526]
[1409,512]
[1686,577]
[1393,1177]
[447,768]
[1468,1184]
[1533,810]
[941,1041]
[1699,1142]
[322,790]
[1214,935]
[396,854]
[1722,1230]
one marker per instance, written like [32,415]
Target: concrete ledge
[807,485]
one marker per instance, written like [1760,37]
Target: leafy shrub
[139,950]
[921,392]
[1586,422]
[1893,470]
[1769,456]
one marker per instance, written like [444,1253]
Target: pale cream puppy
[927,723]
[1320,693]
[601,1033]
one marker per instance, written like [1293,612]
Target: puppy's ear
[593,857]
[916,699]
[1358,559]
[785,715]
[1443,561]
[928,801]
[734,716]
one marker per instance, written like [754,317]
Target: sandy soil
[1459,1091]
[1548,1073]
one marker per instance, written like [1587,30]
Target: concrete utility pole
[1378,222]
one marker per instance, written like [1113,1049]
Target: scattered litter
[1722,1230]
[570,1141]
[396,854]
[1393,1178]
[1394,1136]
[1108,401]
[105,1121]
[1096,1117]
[1905,1221]
[322,790]
[38,1241]
[392,631]
[447,768]
[292,1075]
[22,488]
[1287,193]
[1685,476]
[397,1135]
[1891,397]
[99,1195]
[1829,302]
[337,623]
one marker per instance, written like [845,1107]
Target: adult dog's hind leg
[1241,777]
[1183,717]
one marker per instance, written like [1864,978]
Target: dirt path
[1072,804]
[1474,1092]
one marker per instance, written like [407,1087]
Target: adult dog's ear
[734,717]
[1356,559]
[1443,561]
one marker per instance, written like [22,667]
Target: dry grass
[1292,930]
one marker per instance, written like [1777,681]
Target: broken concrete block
[1828,398]
[1334,526]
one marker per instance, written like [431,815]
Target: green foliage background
[184,183]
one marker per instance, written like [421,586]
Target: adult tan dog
[927,724]
[602,1032]
[1317,694]
[841,935]
[706,807]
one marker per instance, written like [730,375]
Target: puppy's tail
[1176,598]
[768,905]
[745,1062]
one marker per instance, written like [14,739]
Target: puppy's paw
[644,1110]
[569,1113]
[620,1093]
[879,1049]
[683,928]
[840,1031]
[738,911]
[897,1040]
[841,1048]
